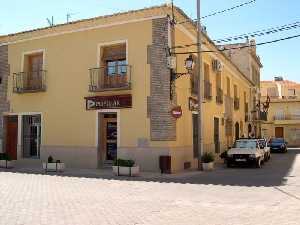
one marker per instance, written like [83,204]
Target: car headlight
[253,156]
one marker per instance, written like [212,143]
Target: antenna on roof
[169,2]
[69,15]
[51,22]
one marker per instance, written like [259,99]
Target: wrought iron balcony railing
[110,78]
[236,103]
[287,116]
[219,96]
[26,82]
[207,90]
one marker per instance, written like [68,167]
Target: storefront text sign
[108,102]
[176,112]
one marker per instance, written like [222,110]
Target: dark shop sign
[108,102]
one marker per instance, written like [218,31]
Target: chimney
[253,45]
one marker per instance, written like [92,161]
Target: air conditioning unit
[171,62]
[217,65]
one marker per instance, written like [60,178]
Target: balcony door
[35,69]
[114,63]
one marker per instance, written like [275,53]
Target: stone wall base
[148,158]
[73,157]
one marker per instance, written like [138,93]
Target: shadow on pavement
[273,173]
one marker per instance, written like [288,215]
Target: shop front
[108,110]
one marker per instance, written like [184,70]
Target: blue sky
[278,59]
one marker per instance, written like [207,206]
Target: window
[235,91]
[228,86]
[207,84]
[117,67]
[279,114]
[206,72]
[272,92]
[291,92]
[218,80]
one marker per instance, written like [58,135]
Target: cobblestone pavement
[239,196]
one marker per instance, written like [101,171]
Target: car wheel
[258,163]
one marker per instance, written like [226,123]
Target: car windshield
[245,144]
[277,140]
[262,143]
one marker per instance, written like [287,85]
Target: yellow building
[93,90]
[284,112]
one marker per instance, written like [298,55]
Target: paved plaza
[236,196]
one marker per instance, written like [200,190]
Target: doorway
[31,136]
[11,137]
[217,134]
[195,135]
[237,131]
[249,130]
[108,136]
[279,132]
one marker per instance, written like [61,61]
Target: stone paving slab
[190,198]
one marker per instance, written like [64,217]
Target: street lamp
[189,64]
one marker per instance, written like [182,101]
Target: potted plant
[53,166]
[6,161]
[223,156]
[208,159]
[124,167]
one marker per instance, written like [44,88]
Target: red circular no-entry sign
[176,112]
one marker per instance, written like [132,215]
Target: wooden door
[35,71]
[279,132]
[11,139]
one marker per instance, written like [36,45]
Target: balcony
[287,116]
[236,103]
[207,90]
[29,82]
[109,78]
[219,96]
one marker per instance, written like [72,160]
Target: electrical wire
[241,47]
[222,11]
[259,33]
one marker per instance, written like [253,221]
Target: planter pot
[126,171]
[208,166]
[7,164]
[53,167]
